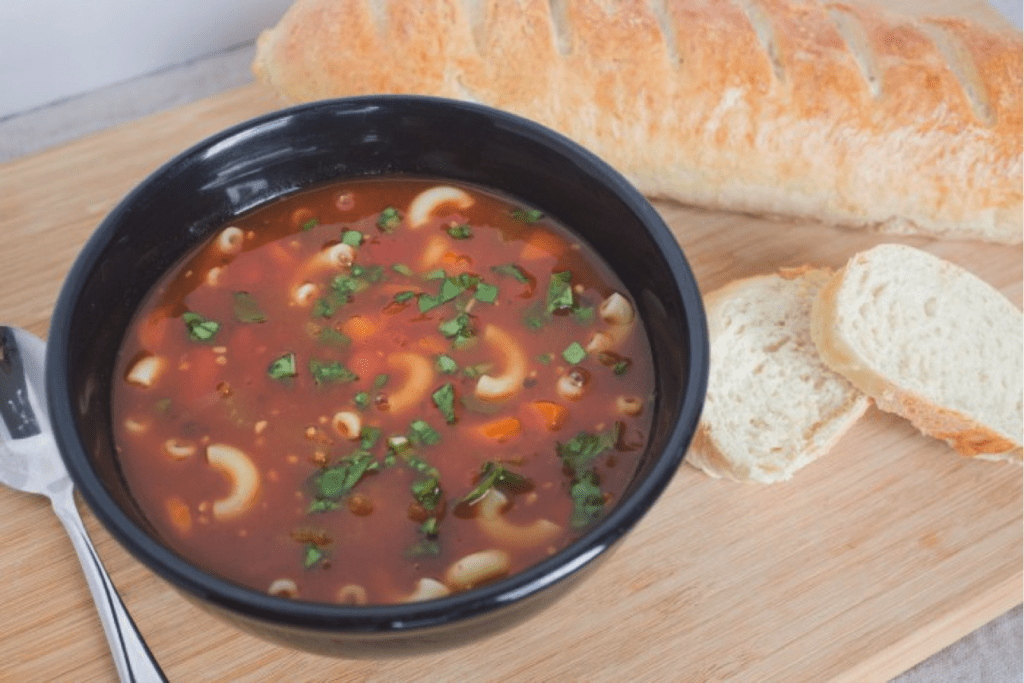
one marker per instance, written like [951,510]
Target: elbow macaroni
[493,523]
[428,201]
[514,363]
[419,374]
[243,475]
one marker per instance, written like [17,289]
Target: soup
[384,390]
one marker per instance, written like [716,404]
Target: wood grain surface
[870,560]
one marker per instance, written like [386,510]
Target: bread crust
[966,435]
[822,111]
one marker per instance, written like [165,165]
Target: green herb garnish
[446,365]
[427,492]
[402,297]
[332,337]
[420,432]
[492,475]
[380,380]
[246,309]
[512,270]
[436,274]
[587,500]
[546,358]
[322,308]
[283,367]
[199,328]
[352,238]
[369,436]
[559,292]
[444,399]
[574,353]
[337,480]
[332,371]
[389,219]
[310,224]
[362,400]
[526,215]
[486,293]
[402,269]
[460,231]
[313,554]
[621,367]
[579,452]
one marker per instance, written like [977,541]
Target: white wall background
[53,49]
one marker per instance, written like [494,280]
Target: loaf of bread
[808,109]
[931,342]
[772,406]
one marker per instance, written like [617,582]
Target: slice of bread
[772,406]
[931,342]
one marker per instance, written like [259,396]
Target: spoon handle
[132,657]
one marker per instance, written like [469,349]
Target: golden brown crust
[826,111]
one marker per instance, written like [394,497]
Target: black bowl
[256,162]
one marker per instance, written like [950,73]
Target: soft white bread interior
[825,111]
[931,342]
[772,406]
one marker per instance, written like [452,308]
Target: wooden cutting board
[869,561]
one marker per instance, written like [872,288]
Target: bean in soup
[384,390]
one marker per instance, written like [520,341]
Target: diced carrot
[153,329]
[359,328]
[279,255]
[502,429]
[181,518]
[553,415]
[542,244]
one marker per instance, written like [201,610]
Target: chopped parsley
[560,292]
[428,493]
[323,308]
[460,231]
[369,436]
[446,365]
[486,293]
[246,309]
[444,399]
[332,371]
[436,274]
[578,453]
[526,215]
[574,353]
[352,238]
[310,224]
[336,481]
[402,269]
[312,555]
[420,432]
[512,270]
[283,367]
[493,475]
[587,500]
[380,380]
[458,329]
[333,337]
[389,219]
[199,328]
[362,400]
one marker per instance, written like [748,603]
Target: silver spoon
[29,461]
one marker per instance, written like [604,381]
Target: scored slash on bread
[772,405]
[827,111]
[931,342]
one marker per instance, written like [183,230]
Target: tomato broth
[382,390]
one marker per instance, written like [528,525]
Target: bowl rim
[375,618]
